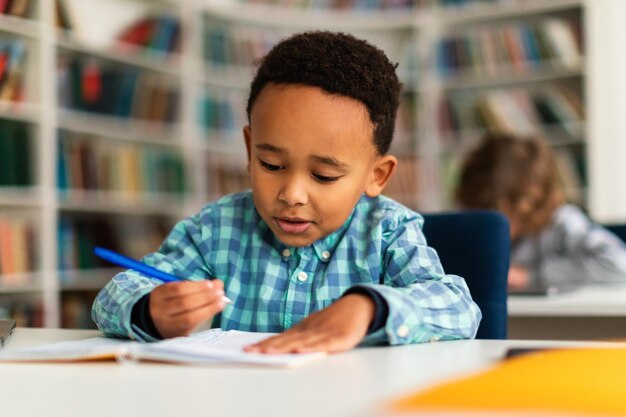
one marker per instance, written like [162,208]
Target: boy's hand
[178,307]
[340,326]
[518,277]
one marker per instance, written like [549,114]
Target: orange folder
[581,382]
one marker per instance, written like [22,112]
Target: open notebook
[206,347]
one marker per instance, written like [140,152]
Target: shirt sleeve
[180,255]
[575,249]
[424,303]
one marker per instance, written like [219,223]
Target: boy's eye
[270,167]
[323,178]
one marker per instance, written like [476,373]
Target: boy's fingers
[185,288]
[192,318]
[195,302]
[286,342]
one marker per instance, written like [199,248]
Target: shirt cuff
[381,308]
[141,318]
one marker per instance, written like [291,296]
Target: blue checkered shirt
[274,287]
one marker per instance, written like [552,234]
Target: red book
[139,33]
[4,59]
[4,5]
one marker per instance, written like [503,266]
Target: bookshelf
[178,106]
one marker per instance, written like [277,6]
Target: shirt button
[302,276]
[286,253]
[403,331]
[325,254]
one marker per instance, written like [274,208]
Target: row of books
[522,111]
[227,178]
[133,236]
[222,115]
[27,311]
[475,3]
[76,310]
[340,4]
[95,86]
[18,8]
[17,251]
[519,47]
[403,186]
[160,33]
[238,47]
[12,68]
[228,46]
[133,171]
[16,154]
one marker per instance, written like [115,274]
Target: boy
[552,242]
[313,249]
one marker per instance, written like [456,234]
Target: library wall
[119,117]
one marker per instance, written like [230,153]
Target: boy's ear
[382,171]
[247,137]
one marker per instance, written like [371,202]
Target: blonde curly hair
[516,175]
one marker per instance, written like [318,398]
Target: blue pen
[126,262]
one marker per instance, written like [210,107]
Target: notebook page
[95,348]
[216,345]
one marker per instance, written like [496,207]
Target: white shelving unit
[409,37]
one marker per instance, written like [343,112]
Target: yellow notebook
[582,382]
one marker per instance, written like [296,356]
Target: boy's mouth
[293,225]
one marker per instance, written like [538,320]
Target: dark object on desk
[476,246]
[515,352]
[542,289]
[6,330]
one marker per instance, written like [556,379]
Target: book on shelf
[12,67]
[517,110]
[571,174]
[222,116]
[129,93]
[18,8]
[551,42]
[403,186]
[229,178]
[17,251]
[78,235]
[160,33]
[355,5]
[27,311]
[214,346]
[16,155]
[98,24]
[76,309]
[132,172]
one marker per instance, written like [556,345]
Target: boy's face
[311,156]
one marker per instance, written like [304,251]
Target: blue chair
[476,246]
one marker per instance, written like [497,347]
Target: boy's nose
[293,193]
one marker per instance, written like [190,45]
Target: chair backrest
[476,246]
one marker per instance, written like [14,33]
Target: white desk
[591,312]
[354,383]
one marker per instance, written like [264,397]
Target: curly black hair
[337,63]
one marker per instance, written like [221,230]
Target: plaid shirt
[274,287]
